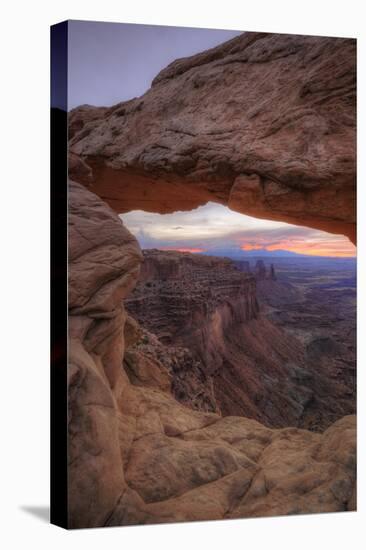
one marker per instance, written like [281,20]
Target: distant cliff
[183,297]
[206,306]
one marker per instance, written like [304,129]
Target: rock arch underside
[264,124]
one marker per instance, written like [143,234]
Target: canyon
[314,301]
[250,359]
[188,396]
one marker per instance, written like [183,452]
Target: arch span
[264,124]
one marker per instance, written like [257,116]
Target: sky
[113,62]
[215,229]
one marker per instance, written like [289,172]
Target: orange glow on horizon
[252,247]
[184,249]
[337,249]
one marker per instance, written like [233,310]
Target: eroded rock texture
[201,320]
[104,262]
[264,123]
[316,307]
[136,455]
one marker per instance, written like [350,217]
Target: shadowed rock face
[136,455]
[315,306]
[264,123]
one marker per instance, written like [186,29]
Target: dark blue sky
[112,62]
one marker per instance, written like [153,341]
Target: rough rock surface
[264,123]
[207,305]
[239,361]
[136,455]
[104,262]
[315,304]
[189,383]
[186,291]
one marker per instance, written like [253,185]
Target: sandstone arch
[263,123]
[288,156]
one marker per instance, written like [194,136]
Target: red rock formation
[239,361]
[104,261]
[138,456]
[264,123]
[320,315]
[189,383]
[179,293]
[81,116]
[190,303]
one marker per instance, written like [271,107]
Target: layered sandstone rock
[264,123]
[136,455]
[187,305]
[315,307]
[104,262]
[223,354]
[180,293]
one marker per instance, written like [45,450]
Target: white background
[24,314]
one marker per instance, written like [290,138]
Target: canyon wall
[264,123]
[316,306]
[232,355]
[190,304]
[182,297]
